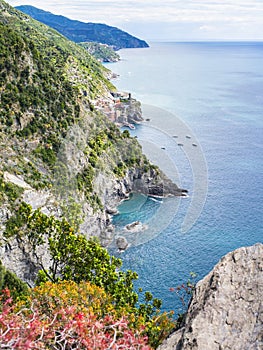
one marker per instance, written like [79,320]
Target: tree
[76,259]
[73,257]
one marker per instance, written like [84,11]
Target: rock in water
[226,311]
[136,226]
[121,243]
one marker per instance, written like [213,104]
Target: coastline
[215,89]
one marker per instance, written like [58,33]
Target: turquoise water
[209,94]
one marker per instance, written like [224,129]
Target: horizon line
[205,41]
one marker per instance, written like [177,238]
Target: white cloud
[213,16]
[206,28]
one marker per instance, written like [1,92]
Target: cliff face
[226,311]
[58,152]
[16,252]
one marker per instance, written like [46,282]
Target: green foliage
[19,221]
[120,169]
[130,156]
[9,280]
[47,154]
[9,191]
[103,142]
[39,93]
[126,134]
[46,82]
[74,258]
[95,202]
[72,211]
[85,178]
[32,175]
[40,89]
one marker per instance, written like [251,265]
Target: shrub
[76,259]
[9,280]
[66,316]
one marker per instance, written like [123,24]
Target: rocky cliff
[226,311]
[58,152]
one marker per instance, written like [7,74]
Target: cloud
[206,14]
[150,10]
[206,28]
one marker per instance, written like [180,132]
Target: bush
[67,316]
[10,190]
[10,281]
[76,259]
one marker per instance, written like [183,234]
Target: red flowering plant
[65,316]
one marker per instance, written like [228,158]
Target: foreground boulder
[226,311]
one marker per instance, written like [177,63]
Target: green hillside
[51,90]
[64,167]
[38,74]
[49,85]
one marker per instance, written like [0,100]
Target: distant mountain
[82,32]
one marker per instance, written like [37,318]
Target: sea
[202,105]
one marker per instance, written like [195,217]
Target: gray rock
[17,255]
[226,311]
[111,211]
[136,226]
[16,180]
[129,112]
[121,243]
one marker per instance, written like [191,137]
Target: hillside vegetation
[48,85]
[63,165]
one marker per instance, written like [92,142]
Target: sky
[166,20]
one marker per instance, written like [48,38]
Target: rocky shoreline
[109,188]
[16,254]
[151,183]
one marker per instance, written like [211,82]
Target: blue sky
[167,20]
